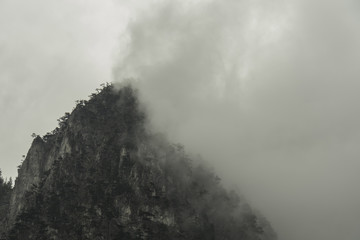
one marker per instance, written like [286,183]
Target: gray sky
[51,54]
[267,91]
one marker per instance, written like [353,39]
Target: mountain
[103,175]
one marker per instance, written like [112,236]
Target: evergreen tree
[5,189]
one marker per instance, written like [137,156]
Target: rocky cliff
[102,175]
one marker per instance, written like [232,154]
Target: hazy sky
[51,54]
[267,91]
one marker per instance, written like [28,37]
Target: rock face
[102,175]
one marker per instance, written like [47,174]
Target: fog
[266,91]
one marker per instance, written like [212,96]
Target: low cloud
[267,92]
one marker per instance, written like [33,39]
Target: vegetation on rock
[5,192]
[102,175]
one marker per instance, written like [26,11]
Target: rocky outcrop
[102,175]
[38,162]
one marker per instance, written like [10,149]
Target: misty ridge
[265,92]
[103,174]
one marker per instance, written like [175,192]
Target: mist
[265,91]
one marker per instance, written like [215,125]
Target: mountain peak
[101,175]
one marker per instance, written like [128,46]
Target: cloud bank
[266,91]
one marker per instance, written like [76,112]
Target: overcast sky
[267,91]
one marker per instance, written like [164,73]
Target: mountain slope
[102,175]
